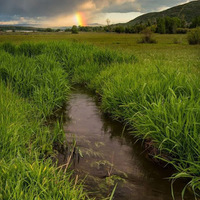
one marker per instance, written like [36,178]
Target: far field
[165,50]
[111,40]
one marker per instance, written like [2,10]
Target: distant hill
[187,11]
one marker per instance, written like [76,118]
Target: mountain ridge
[188,11]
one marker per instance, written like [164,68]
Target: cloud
[142,6]
[47,8]
[33,8]
[123,8]
[62,11]
[155,5]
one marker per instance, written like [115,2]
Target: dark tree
[195,22]
[161,26]
[74,29]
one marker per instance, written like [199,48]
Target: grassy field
[154,88]
[112,40]
[164,51]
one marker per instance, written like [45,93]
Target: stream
[106,154]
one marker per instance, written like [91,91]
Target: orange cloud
[87,6]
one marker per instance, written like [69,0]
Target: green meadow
[152,88]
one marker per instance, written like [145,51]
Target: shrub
[181,30]
[193,36]
[48,30]
[119,29]
[147,37]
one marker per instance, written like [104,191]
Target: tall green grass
[31,88]
[163,105]
[40,79]
[25,169]
[157,97]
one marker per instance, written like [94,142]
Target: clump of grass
[9,47]
[26,49]
[30,49]
[36,179]
[40,79]
[193,36]
[26,172]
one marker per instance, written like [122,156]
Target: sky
[62,13]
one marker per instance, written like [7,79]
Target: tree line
[162,25]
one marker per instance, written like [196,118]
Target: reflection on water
[109,158]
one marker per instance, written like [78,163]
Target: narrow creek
[109,155]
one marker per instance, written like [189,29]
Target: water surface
[110,156]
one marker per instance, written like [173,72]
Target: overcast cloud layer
[37,10]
